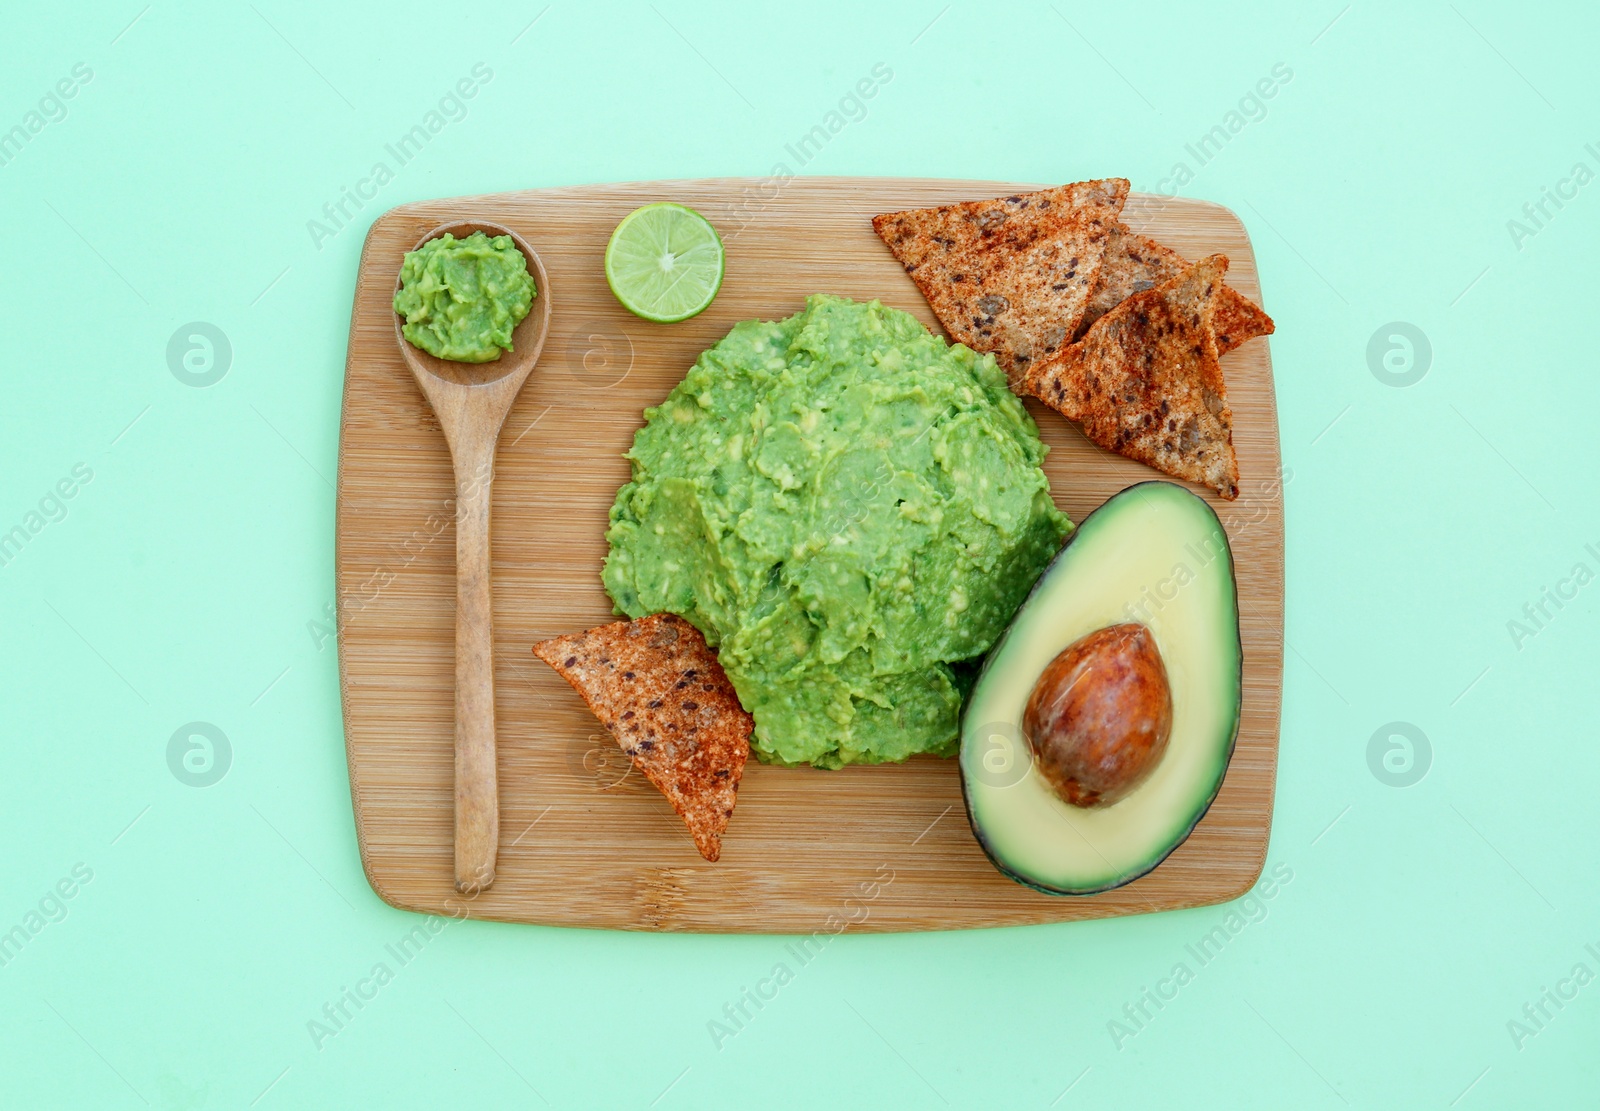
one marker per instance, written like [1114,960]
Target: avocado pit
[1100,714]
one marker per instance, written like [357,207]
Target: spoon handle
[477,793]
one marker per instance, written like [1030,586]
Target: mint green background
[180,585]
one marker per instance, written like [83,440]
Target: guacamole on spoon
[462,298]
[850,510]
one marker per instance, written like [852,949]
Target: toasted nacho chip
[1010,276]
[659,689]
[1135,263]
[1236,318]
[1145,382]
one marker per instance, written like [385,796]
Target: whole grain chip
[1236,318]
[1135,263]
[1010,276]
[657,686]
[1145,382]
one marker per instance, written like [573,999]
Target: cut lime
[664,262]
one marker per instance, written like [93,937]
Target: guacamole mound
[462,298]
[848,509]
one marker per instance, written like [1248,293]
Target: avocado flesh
[1156,554]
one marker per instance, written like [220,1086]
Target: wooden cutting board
[584,840]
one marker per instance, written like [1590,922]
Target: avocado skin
[996,652]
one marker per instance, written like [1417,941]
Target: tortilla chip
[1010,276]
[1135,263]
[661,692]
[1145,382]
[1236,318]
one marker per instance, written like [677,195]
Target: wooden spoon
[471,401]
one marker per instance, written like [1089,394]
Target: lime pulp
[664,262]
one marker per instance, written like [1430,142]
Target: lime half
[664,262]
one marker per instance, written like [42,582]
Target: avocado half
[1156,554]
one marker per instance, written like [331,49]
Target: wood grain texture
[584,840]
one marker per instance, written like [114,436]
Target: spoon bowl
[527,338]
[471,401]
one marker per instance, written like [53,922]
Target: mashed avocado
[463,297]
[846,507]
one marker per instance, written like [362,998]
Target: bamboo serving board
[584,840]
